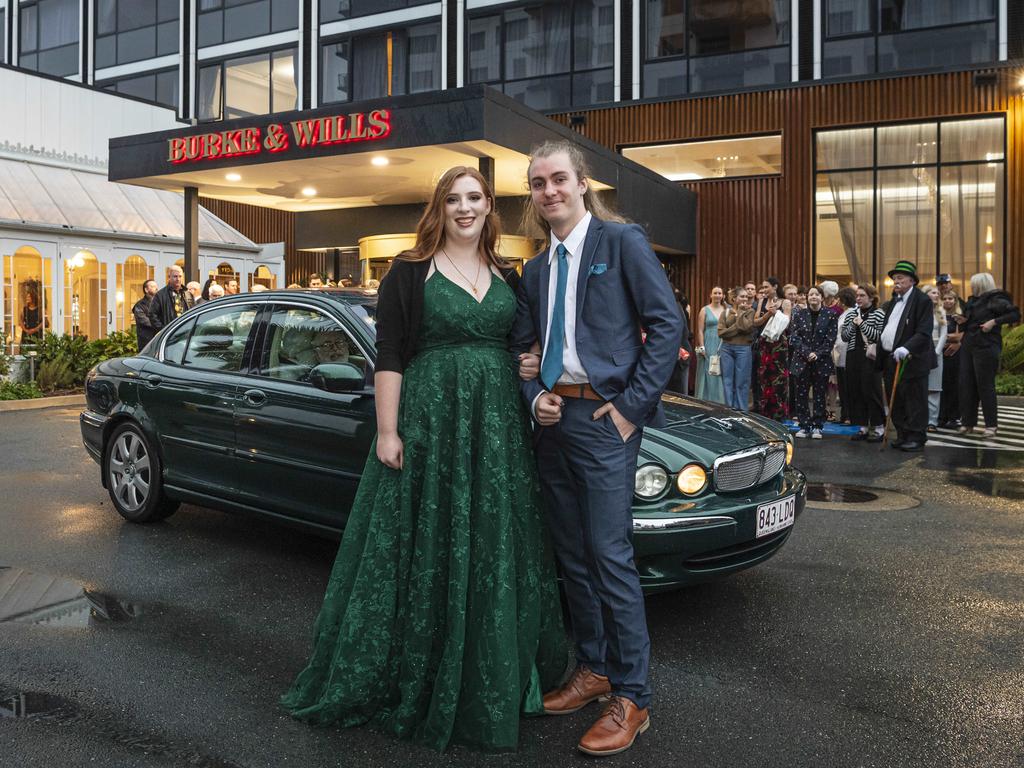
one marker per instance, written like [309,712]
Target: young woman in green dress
[441,622]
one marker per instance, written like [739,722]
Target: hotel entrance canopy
[387,152]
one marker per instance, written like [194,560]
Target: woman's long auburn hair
[430,234]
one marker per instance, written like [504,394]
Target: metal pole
[191,234]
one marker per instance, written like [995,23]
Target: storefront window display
[85,295]
[27,298]
[933,193]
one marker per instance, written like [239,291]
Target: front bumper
[93,425]
[678,542]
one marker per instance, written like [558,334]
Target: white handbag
[775,326]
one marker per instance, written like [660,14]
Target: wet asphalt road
[873,639]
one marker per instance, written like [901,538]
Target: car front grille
[748,468]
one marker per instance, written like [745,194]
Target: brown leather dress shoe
[579,690]
[616,729]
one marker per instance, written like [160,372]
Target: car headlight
[789,451]
[692,479]
[651,481]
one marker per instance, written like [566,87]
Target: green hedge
[1013,350]
[10,390]
[63,361]
[1010,384]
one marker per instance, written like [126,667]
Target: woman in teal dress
[709,387]
[442,622]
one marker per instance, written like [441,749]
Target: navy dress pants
[587,477]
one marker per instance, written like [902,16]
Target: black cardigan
[400,311]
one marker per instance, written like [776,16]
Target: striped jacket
[871,329]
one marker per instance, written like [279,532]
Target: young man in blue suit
[585,300]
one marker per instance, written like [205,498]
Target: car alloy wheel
[133,474]
[130,471]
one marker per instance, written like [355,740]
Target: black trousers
[815,376]
[910,408]
[844,394]
[679,381]
[949,404]
[978,368]
[864,387]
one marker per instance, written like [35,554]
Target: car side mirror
[338,377]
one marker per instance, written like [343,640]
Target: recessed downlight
[379,161]
[233,176]
[309,191]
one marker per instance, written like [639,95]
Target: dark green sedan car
[264,404]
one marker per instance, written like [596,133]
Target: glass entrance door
[26,301]
[87,309]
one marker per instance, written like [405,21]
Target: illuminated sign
[278,137]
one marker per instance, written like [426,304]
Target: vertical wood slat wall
[753,228]
[268,225]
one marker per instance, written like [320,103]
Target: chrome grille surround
[749,467]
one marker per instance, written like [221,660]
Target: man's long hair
[533,223]
[430,233]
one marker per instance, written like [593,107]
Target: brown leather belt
[583,391]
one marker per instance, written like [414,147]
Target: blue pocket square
[598,269]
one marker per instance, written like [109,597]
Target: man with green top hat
[906,347]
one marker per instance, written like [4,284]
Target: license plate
[775,516]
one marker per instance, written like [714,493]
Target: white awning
[81,201]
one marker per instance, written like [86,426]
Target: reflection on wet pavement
[855,498]
[38,598]
[993,473]
[839,494]
[49,709]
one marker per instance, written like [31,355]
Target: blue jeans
[736,361]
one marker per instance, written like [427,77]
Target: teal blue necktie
[551,366]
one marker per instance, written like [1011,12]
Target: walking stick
[892,400]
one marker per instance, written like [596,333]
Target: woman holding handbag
[772,321]
[736,331]
[709,370]
[861,331]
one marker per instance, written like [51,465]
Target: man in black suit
[907,338]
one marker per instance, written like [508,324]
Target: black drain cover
[839,494]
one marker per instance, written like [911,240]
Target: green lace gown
[442,622]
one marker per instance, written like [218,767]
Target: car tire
[132,471]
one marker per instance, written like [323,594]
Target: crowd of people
[159,306]
[927,356]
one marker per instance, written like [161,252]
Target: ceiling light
[309,191]
[380,160]
[233,176]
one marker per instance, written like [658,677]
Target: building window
[3,35]
[718,159]
[382,64]
[134,30]
[248,85]
[224,21]
[28,296]
[523,51]
[332,10]
[877,36]
[933,193]
[49,37]
[158,87]
[695,46]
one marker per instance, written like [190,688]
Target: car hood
[696,430]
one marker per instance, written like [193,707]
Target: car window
[175,345]
[300,339]
[218,342]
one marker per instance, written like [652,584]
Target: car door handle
[154,381]
[254,397]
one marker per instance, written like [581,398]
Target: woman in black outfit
[949,404]
[987,309]
[863,381]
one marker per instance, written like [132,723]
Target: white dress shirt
[573,371]
[888,339]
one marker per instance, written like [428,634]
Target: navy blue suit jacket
[803,339]
[621,289]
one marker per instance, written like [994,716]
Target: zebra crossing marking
[1010,436]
